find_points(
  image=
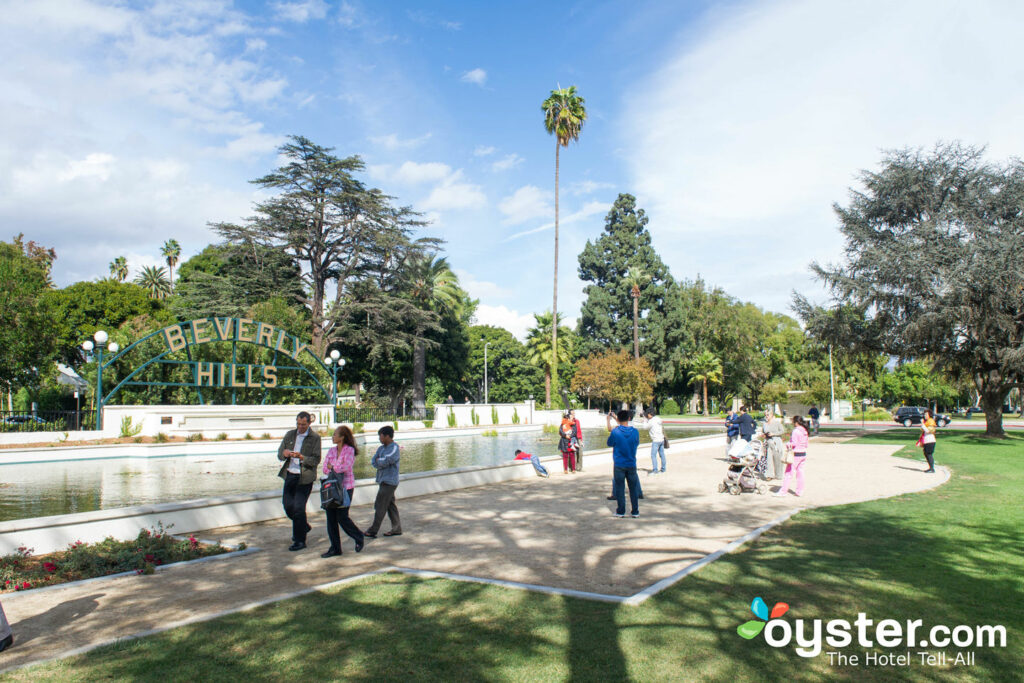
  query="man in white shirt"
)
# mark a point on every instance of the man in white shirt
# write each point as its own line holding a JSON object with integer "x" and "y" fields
{"x": 300, "y": 453}
{"x": 656, "y": 430}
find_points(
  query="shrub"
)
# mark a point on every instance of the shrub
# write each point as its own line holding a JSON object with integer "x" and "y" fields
{"x": 357, "y": 427}
{"x": 194, "y": 436}
{"x": 266, "y": 435}
{"x": 428, "y": 423}
{"x": 550, "y": 429}
{"x": 670, "y": 407}
{"x": 515, "y": 416}
{"x": 395, "y": 423}
{"x": 451, "y": 418}
{"x": 127, "y": 429}
{"x": 248, "y": 436}
{"x": 161, "y": 438}
{"x": 138, "y": 439}
{"x": 489, "y": 432}
{"x": 494, "y": 415}
{"x": 222, "y": 436}
{"x": 473, "y": 416}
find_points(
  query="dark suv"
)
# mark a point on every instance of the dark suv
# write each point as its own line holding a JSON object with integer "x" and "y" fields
{"x": 914, "y": 415}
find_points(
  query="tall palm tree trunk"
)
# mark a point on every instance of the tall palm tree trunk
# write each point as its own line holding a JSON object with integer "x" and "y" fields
{"x": 705, "y": 398}
{"x": 419, "y": 380}
{"x": 636, "y": 338}
{"x": 547, "y": 387}
{"x": 554, "y": 298}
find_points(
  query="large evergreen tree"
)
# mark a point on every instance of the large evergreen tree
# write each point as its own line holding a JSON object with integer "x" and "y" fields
{"x": 606, "y": 318}
{"x": 27, "y": 319}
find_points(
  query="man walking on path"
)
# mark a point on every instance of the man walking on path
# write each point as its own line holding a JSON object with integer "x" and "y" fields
{"x": 300, "y": 452}
{"x": 815, "y": 415}
{"x": 656, "y": 430}
{"x": 624, "y": 441}
{"x": 746, "y": 424}
{"x": 732, "y": 429}
{"x": 385, "y": 461}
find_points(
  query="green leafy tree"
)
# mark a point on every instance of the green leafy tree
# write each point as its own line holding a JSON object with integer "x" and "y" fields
{"x": 706, "y": 369}
{"x": 154, "y": 280}
{"x": 119, "y": 268}
{"x": 622, "y": 311}
{"x": 27, "y": 318}
{"x": 433, "y": 287}
{"x": 564, "y": 116}
{"x": 510, "y": 375}
{"x": 934, "y": 243}
{"x": 171, "y": 251}
{"x": 539, "y": 342}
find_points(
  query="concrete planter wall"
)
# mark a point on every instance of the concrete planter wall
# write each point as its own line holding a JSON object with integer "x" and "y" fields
{"x": 463, "y": 413}
{"x": 47, "y": 534}
{"x": 211, "y": 420}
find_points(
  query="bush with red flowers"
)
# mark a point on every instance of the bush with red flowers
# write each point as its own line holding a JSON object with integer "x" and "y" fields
{"x": 151, "y": 548}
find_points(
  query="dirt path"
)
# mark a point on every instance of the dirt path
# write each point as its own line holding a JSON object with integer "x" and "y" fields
{"x": 555, "y": 532}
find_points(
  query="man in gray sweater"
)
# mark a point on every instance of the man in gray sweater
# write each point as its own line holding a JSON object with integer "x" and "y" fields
{"x": 385, "y": 461}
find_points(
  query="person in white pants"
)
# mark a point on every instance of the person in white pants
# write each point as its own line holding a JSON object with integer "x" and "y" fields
{"x": 656, "y": 430}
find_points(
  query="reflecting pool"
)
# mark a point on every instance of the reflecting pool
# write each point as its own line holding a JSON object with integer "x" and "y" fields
{"x": 39, "y": 490}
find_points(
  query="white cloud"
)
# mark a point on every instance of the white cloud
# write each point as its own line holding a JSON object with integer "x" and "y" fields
{"x": 413, "y": 173}
{"x": 255, "y": 45}
{"x": 454, "y": 193}
{"x": 526, "y": 203}
{"x": 765, "y": 114}
{"x": 392, "y": 142}
{"x": 585, "y": 187}
{"x": 476, "y": 76}
{"x": 484, "y": 150}
{"x": 507, "y": 162}
{"x": 481, "y": 289}
{"x": 300, "y": 12}
{"x": 502, "y": 316}
{"x": 589, "y": 209}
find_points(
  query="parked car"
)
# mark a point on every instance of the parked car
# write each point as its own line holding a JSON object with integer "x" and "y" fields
{"x": 914, "y": 415}
{"x": 23, "y": 419}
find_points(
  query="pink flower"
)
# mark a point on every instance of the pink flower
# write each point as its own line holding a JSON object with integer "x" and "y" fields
{"x": 150, "y": 558}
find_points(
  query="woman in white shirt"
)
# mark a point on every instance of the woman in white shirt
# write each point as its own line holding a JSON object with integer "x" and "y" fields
{"x": 656, "y": 430}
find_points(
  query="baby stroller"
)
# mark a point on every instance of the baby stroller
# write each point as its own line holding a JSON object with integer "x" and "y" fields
{"x": 740, "y": 477}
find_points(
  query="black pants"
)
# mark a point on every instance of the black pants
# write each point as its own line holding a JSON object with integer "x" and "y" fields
{"x": 294, "y": 498}
{"x": 929, "y": 451}
{"x": 340, "y": 516}
{"x": 385, "y": 504}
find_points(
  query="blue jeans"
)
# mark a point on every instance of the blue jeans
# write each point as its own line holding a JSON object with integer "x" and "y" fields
{"x": 657, "y": 447}
{"x": 623, "y": 475}
{"x": 537, "y": 466}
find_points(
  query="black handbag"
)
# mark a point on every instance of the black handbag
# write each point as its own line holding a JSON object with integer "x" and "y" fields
{"x": 333, "y": 494}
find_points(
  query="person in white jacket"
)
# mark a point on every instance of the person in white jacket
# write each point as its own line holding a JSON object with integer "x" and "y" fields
{"x": 656, "y": 429}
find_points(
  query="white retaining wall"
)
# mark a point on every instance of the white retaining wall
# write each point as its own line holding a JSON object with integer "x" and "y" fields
{"x": 211, "y": 420}
{"x": 463, "y": 413}
{"x": 47, "y": 534}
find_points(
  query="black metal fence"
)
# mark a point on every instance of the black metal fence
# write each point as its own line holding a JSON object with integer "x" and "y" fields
{"x": 45, "y": 420}
{"x": 365, "y": 414}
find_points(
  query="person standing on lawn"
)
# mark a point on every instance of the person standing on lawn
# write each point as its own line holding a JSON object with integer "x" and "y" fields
{"x": 656, "y": 430}
{"x": 928, "y": 429}
{"x": 385, "y": 461}
{"x": 797, "y": 444}
{"x": 6, "y": 635}
{"x": 300, "y": 452}
{"x": 341, "y": 459}
{"x": 624, "y": 441}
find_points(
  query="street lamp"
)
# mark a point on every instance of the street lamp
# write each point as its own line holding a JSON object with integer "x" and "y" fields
{"x": 334, "y": 363}
{"x": 98, "y": 343}
{"x": 485, "y": 372}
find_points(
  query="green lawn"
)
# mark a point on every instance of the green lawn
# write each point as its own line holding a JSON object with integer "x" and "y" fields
{"x": 950, "y": 556}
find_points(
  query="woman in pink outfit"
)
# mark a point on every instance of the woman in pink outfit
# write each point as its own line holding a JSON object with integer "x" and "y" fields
{"x": 341, "y": 459}
{"x": 797, "y": 444}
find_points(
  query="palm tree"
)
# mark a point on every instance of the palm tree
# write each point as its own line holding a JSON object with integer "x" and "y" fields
{"x": 539, "y": 343}
{"x": 119, "y": 268}
{"x": 705, "y": 368}
{"x": 635, "y": 277}
{"x": 154, "y": 279}
{"x": 171, "y": 251}
{"x": 564, "y": 115}
{"x": 433, "y": 286}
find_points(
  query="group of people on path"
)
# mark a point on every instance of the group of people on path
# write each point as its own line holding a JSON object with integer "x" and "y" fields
{"x": 776, "y": 460}
{"x": 300, "y": 453}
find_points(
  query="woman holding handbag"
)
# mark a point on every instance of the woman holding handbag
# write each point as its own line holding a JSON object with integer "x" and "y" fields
{"x": 796, "y": 455}
{"x": 927, "y": 440}
{"x": 340, "y": 461}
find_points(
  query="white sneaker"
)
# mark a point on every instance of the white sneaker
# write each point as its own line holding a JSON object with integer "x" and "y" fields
{"x": 779, "y": 494}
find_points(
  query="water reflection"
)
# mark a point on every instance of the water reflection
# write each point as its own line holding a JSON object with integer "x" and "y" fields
{"x": 36, "y": 490}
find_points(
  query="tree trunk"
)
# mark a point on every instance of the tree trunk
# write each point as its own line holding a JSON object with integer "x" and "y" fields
{"x": 419, "y": 380}
{"x": 636, "y": 338}
{"x": 705, "y": 398}
{"x": 554, "y": 298}
{"x": 547, "y": 388}
{"x": 992, "y": 402}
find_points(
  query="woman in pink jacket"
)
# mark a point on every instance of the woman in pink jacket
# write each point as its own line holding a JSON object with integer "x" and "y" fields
{"x": 797, "y": 444}
{"x": 341, "y": 459}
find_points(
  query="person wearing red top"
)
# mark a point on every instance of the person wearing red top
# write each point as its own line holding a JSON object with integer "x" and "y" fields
{"x": 577, "y": 432}
{"x": 541, "y": 470}
{"x": 341, "y": 460}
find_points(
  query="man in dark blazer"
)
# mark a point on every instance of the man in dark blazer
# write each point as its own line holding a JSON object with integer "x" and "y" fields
{"x": 300, "y": 453}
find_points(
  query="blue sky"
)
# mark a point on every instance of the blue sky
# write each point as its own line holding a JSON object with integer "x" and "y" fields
{"x": 736, "y": 124}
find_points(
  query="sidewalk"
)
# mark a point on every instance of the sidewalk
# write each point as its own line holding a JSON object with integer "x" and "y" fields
{"x": 554, "y": 532}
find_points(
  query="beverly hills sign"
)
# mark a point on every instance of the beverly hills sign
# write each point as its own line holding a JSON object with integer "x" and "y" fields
{"x": 181, "y": 336}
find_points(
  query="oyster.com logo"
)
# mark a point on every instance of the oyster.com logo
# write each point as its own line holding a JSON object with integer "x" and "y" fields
{"x": 753, "y": 628}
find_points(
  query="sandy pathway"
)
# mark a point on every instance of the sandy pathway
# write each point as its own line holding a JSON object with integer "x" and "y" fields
{"x": 555, "y": 532}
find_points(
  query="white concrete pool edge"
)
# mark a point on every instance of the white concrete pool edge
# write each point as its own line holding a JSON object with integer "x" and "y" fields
{"x": 48, "y": 534}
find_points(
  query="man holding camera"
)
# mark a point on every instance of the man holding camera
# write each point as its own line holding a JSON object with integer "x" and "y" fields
{"x": 624, "y": 441}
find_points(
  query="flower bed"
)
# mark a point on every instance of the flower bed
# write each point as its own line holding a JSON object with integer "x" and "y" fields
{"x": 23, "y": 571}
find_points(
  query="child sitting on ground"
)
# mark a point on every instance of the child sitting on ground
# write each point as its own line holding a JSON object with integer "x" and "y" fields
{"x": 541, "y": 470}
